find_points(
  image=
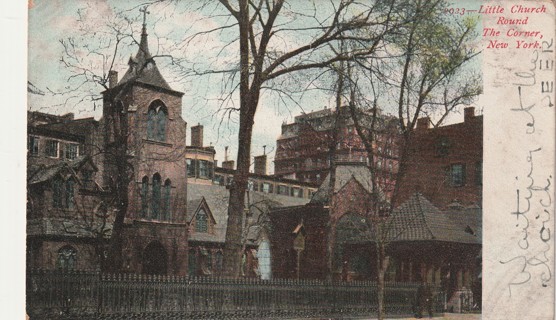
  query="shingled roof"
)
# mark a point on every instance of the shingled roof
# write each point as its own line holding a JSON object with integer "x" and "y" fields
{"x": 39, "y": 174}
{"x": 344, "y": 173}
{"x": 419, "y": 220}
{"x": 217, "y": 198}
{"x": 142, "y": 67}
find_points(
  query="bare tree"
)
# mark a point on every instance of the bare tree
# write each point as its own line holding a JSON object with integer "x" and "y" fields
{"x": 425, "y": 69}
{"x": 260, "y": 24}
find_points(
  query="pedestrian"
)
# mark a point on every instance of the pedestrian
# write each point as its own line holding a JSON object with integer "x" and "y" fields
{"x": 423, "y": 300}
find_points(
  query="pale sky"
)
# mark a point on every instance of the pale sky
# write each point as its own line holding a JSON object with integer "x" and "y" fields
{"x": 167, "y": 25}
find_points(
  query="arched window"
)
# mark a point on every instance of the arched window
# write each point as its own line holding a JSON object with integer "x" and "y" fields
{"x": 155, "y": 205}
{"x": 67, "y": 258}
{"x": 166, "y": 199}
{"x": 201, "y": 222}
{"x": 144, "y": 197}
{"x": 156, "y": 121}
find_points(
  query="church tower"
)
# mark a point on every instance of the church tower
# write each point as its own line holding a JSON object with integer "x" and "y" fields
{"x": 144, "y": 144}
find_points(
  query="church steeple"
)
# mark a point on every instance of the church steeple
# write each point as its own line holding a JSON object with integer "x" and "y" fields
{"x": 144, "y": 53}
{"x": 142, "y": 67}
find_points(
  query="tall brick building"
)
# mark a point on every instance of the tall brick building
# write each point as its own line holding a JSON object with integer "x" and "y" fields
{"x": 445, "y": 163}
{"x": 303, "y": 148}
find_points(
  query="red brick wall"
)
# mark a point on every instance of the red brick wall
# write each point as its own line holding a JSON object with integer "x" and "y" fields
{"x": 427, "y": 165}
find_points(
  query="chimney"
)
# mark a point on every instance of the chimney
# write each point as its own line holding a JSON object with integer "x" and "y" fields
{"x": 260, "y": 164}
{"x": 112, "y": 78}
{"x": 423, "y": 123}
{"x": 197, "y": 136}
{"x": 468, "y": 113}
{"x": 229, "y": 164}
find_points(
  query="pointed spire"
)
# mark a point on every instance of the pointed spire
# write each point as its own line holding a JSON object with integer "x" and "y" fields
{"x": 143, "y": 54}
{"x": 142, "y": 67}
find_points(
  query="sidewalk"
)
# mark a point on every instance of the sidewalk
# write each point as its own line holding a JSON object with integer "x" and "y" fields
{"x": 447, "y": 316}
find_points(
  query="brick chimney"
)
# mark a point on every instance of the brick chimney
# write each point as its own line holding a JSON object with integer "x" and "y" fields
{"x": 112, "y": 78}
{"x": 229, "y": 164}
{"x": 197, "y": 136}
{"x": 260, "y": 164}
{"x": 423, "y": 123}
{"x": 468, "y": 113}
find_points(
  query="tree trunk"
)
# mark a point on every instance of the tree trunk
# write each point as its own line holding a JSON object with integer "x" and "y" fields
{"x": 382, "y": 263}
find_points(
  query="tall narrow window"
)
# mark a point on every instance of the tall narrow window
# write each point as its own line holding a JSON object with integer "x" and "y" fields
{"x": 57, "y": 193}
{"x": 151, "y": 123}
{"x": 166, "y": 199}
{"x": 190, "y": 167}
{"x": 156, "y": 121}
{"x": 457, "y": 175}
{"x": 69, "y": 197}
{"x": 144, "y": 197}
{"x": 201, "y": 224}
{"x": 67, "y": 258}
{"x": 52, "y": 148}
{"x": 219, "y": 257}
{"x": 33, "y": 145}
{"x": 155, "y": 202}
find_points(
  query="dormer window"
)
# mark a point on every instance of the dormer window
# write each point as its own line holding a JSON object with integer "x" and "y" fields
{"x": 156, "y": 121}
{"x": 201, "y": 223}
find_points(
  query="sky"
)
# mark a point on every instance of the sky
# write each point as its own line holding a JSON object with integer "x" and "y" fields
{"x": 168, "y": 25}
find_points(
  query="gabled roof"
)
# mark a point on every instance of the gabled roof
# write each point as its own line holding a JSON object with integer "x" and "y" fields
{"x": 344, "y": 173}
{"x": 217, "y": 197}
{"x": 419, "y": 220}
{"x": 41, "y": 173}
{"x": 142, "y": 67}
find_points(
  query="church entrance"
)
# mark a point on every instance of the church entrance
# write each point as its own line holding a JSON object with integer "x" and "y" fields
{"x": 155, "y": 259}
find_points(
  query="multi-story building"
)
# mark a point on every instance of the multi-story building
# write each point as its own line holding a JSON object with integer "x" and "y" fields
{"x": 304, "y": 146}
{"x": 64, "y": 204}
{"x": 445, "y": 164}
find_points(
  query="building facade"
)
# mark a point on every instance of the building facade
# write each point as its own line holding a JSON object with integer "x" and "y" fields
{"x": 445, "y": 164}
{"x": 303, "y": 149}
{"x": 139, "y": 142}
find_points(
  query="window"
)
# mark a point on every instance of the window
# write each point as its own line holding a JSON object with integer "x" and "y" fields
{"x": 69, "y": 196}
{"x": 155, "y": 202}
{"x": 203, "y": 169}
{"x": 201, "y": 223}
{"x": 267, "y": 187}
{"x": 52, "y": 148}
{"x": 67, "y": 258}
{"x": 442, "y": 147}
{"x": 156, "y": 122}
{"x": 166, "y": 199}
{"x": 284, "y": 190}
{"x": 219, "y": 259}
{"x": 191, "y": 167}
{"x": 63, "y": 193}
{"x": 57, "y": 193}
{"x": 296, "y": 192}
{"x": 144, "y": 197}
{"x": 33, "y": 145}
{"x": 72, "y": 151}
{"x": 457, "y": 175}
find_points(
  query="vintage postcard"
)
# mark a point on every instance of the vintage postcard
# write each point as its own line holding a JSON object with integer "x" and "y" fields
{"x": 290, "y": 159}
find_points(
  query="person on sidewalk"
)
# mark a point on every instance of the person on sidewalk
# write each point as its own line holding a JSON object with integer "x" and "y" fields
{"x": 423, "y": 300}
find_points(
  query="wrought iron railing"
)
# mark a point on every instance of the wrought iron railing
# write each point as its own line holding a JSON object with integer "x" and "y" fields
{"x": 93, "y": 295}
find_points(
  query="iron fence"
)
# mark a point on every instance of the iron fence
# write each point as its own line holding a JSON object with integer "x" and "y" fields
{"x": 94, "y": 295}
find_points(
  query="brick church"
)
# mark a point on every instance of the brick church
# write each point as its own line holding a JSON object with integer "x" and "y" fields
{"x": 73, "y": 166}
